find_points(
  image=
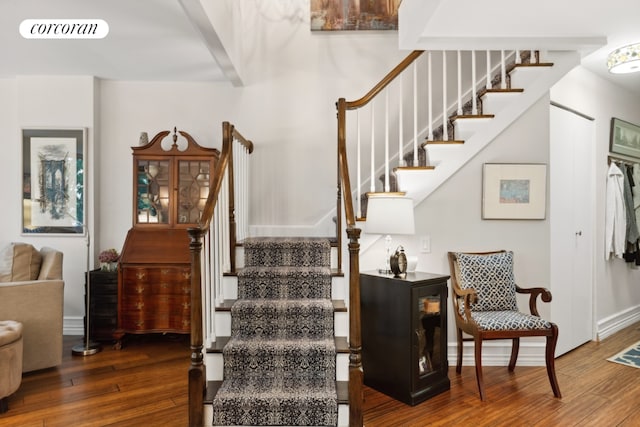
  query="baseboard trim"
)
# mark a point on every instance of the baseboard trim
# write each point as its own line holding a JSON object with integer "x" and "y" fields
{"x": 612, "y": 324}
{"x": 73, "y": 325}
{"x": 498, "y": 353}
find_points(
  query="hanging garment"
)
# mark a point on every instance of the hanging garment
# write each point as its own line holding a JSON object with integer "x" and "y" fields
{"x": 615, "y": 224}
{"x": 631, "y": 234}
{"x": 636, "y": 191}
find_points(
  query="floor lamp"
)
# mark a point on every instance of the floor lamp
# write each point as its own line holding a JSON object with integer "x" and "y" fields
{"x": 89, "y": 347}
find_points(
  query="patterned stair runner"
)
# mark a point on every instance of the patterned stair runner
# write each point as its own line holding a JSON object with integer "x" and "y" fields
{"x": 280, "y": 362}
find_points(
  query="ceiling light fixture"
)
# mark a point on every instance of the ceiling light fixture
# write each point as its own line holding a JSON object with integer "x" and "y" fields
{"x": 625, "y": 59}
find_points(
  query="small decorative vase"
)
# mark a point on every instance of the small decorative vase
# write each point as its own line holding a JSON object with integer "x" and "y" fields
{"x": 108, "y": 266}
{"x": 144, "y": 138}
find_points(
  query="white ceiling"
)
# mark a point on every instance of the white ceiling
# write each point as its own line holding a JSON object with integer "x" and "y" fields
{"x": 593, "y": 27}
{"x": 147, "y": 40}
{"x": 168, "y": 40}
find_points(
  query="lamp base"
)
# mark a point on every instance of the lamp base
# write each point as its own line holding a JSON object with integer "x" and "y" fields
{"x": 86, "y": 349}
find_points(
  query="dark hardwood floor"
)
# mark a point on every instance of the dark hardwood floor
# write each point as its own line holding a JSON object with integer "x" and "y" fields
{"x": 145, "y": 384}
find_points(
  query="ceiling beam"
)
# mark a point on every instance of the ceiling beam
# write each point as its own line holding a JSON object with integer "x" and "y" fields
{"x": 198, "y": 17}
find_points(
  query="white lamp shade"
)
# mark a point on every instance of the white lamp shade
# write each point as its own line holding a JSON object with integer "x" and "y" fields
{"x": 389, "y": 213}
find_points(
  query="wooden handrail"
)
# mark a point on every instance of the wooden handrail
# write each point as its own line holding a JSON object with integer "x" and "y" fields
{"x": 197, "y": 370}
{"x": 351, "y": 105}
{"x": 356, "y": 375}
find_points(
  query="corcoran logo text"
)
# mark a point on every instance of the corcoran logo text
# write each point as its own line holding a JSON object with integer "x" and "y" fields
{"x": 64, "y": 29}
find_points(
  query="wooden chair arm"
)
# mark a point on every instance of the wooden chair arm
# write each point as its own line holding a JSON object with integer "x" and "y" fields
{"x": 468, "y": 296}
{"x": 544, "y": 293}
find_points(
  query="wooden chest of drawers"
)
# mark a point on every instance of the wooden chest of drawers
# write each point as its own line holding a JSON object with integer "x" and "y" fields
{"x": 154, "y": 284}
{"x": 156, "y": 299}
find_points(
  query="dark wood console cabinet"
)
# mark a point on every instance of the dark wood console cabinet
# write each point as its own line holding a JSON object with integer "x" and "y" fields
{"x": 404, "y": 334}
{"x": 103, "y": 304}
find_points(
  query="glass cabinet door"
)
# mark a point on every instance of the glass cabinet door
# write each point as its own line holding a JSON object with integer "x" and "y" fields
{"x": 429, "y": 327}
{"x": 193, "y": 189}
{"x": 152, "y": 192}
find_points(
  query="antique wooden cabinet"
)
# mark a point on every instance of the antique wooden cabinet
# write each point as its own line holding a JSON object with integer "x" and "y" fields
{"x": 170, "y": 187}
{"x": 404, "y": 334}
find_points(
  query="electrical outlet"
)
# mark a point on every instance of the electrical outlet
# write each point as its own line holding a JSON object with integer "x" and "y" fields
{"x": 425, "y": 244}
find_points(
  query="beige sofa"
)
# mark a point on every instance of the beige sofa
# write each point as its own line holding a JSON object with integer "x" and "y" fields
{"x": 32, "y": 293}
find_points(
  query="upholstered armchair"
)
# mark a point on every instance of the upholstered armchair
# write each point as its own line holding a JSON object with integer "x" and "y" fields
{"x": 484, "y": 305}
{"x": 32, "y": 293}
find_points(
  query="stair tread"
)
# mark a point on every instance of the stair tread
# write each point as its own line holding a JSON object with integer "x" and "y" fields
{"x": 473, "y": 116}
{"x": 338, "y": 305}
{"x": 499, "y": 90}
{"x": 335, "y": 272}
{"x": 405, "y": 168}
{"x": 442, "y": 142}
{"x": 535, "y": 64}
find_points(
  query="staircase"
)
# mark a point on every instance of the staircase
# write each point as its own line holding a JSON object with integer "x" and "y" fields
{"x": 240, "y": 353}
{"x": 276, "y": 351}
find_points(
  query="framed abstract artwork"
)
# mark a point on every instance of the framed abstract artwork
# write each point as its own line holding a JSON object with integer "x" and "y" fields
{"x": 514, "y": 191}
{"x": 625, "y": 138}
{"x": 53, "y": 181}
{"x": 345, "y": 15}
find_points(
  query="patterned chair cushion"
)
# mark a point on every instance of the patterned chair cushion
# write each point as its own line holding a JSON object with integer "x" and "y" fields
{"x": 507, "y": 321}
{"x": 492, "y": 278}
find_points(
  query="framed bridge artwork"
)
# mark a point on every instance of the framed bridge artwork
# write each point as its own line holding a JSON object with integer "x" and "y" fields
{"x": 514, "y": 191}
{"x": 341, "y": 15}
{"x": 625, "y": 138}
{"x": 53, "y": 190}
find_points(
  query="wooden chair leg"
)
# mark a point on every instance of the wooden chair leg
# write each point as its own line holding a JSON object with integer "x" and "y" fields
{"x": 459, "y": 361}
{"x": 515, "y": 347}
{"x": 4, "y": 405}
{"x": 550, "y": 359}
{"x": 478, "y": 360}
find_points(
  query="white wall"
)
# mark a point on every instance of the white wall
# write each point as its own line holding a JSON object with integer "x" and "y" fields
{"x": 617, "y": 297}
{"x": 53, "y": 102}
{"x": 452, "y": 216}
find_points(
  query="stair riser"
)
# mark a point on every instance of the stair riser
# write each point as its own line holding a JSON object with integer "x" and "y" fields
{"x": 278, "y": 287}
{"x": 277, "y": 320}
{"x": 223, "y": 324}
{"x": 269, "y": 363}
{"x": 230, "y": 288}
{"x": 466, "y": 128}
{"x": 287, "y": 253}
{"x": 343, "y": 415}
{"x": 215, "y": 367}
{"x": 493, "y": 103}
{"x": 240, "y": 257}
{"x": 522, "y": 77}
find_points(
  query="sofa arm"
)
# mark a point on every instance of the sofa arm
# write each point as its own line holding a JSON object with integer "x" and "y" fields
{"x": 38, "y": 305}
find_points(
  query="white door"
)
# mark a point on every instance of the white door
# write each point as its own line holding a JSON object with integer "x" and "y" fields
{"x": 571, "y": 210}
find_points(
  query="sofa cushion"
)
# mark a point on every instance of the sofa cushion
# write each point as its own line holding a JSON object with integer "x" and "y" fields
{"x": 51, "y": 268}
{"x": 19, "y": 262}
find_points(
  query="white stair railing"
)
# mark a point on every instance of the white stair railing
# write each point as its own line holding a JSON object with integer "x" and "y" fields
{"x": 430, "y": 85}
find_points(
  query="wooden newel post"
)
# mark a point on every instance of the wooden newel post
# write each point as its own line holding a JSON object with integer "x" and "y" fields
{"x": 355, "y": 331}
{"x": 197, "y": 374}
